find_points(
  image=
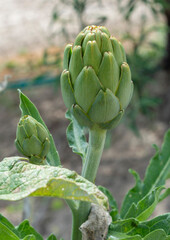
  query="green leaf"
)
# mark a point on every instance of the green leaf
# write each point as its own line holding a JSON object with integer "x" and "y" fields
{"x": 23, "y": 231}
{"x": 133, "y": 227}
{"x": 26, "y": 230}
{"x": 112, "y": 203}
{"x": 164, "y": 194}
{"x": 122, "y": 236}
{"x": 123, "y": 225}
{"x": 30, "y": 237}
{"x": 52, "y": 237}
{"x": 28, "y": 108}
{"x": 20, "y": 179}
{"x": 156, "y": 175}
{"x": 157, "y": 234}
{"x": 6, "y": 223}
{"x": 160, "y": 222}
{"x": 76, "y": 137}
{"x": 145, "y": 207}
{"x": 6, "y": 233}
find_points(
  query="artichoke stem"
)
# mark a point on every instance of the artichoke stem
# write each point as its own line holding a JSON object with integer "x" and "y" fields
{"x": 97, "y": 138}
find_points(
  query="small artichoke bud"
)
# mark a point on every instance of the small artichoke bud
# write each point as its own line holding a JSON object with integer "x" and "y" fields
{"x": 32, "y": 140}
{"x": 96, "y": 80}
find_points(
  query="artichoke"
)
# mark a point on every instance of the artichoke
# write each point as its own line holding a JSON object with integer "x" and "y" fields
{"x": 96, "y": 80}
{"x": 32, "y": 139}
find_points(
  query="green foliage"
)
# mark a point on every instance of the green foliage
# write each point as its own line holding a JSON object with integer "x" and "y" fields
{"x": 143, "y": 230}
{"x": 76, "y": 136}
{"x": 141, "y": 200}
{"x": 20, "y": 179}
{"x": 24, "y": 231}
{"x": 114, "y": 212}
{"x": 156, "y": 175}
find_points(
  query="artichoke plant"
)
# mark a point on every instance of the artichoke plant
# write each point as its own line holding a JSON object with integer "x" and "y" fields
{"x": 96, "y": 80}
{"x": 32, "y": 139}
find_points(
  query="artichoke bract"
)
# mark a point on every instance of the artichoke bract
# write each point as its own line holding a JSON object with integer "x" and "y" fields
{"x": 96, "y": 80}
{"x": 32, "y": 139}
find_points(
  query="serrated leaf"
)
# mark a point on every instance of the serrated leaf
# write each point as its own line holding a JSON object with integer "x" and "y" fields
{"x": 133, "y": 227}
{"x": 20, "y": 179}
{"x": 156, "y": 175}
{"x": 76, "y": 137}
{"x": 145, "y": 207}
{"x": 112, "y": 203}
{"x": 28, "y": 108}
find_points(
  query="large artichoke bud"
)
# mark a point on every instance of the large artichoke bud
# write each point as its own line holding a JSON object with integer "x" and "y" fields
{"x": 32, "y": 139}
{"x": 96, "y": 79}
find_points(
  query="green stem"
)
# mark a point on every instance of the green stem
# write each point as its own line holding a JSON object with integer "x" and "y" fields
{"x": 97, "y": 138}
{"x": 96, "y": 144}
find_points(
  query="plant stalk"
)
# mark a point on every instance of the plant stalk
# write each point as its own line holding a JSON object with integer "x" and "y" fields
{"x": 97, "y": 138}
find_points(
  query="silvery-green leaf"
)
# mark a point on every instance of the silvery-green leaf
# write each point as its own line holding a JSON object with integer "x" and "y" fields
{"x": 20, "y": 179}
{"x": 76, "y": 136}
